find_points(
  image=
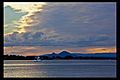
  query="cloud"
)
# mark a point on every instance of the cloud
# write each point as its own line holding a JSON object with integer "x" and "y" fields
{"x": 41, "y": 39}
{"x": 30, "y": 7}
{"x": 10, "y": 19}
{"x": 23, "y": 38}
{"x": 66, "y": 25}
{"x": 24, "y": 22}
{"x": 77, "y": 20}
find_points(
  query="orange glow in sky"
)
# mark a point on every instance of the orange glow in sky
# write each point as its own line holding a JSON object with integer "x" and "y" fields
{"x": 31, "y": 51}
{"x": 101, "y": 50}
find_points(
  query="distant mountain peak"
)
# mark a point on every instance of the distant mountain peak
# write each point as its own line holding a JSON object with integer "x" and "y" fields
{"x": 64, "y": 52}
{"x": 53, "y": 53}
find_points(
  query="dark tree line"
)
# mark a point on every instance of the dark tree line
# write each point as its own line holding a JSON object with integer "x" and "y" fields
{"x": 17, "y": 57}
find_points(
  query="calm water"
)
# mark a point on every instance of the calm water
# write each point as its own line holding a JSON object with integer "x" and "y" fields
{"x": 60, "y": 68}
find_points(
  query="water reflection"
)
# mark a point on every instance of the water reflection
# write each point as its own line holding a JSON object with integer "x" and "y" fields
{"x": 26, "y": 69}
{"x": 60, "y": 68}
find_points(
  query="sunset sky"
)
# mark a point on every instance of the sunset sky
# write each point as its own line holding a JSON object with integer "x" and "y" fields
{"x": 34, "y": 28}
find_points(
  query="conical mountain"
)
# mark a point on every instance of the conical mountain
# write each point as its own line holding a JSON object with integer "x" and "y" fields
{"x": 64, "y": 53}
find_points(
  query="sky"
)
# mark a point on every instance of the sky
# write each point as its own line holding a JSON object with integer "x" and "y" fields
{"x": 34, "y": 28}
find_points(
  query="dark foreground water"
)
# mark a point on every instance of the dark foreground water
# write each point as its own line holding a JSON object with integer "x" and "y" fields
{"x": 59, "y": 68}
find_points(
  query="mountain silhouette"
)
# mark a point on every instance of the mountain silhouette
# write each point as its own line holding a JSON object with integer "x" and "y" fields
{"x": 65, "y": 54}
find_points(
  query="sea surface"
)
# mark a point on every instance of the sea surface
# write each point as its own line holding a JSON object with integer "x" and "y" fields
{"x": 59, "y": 68}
